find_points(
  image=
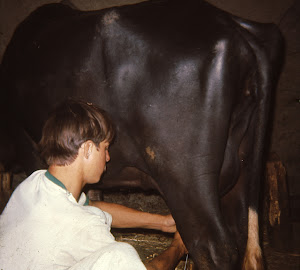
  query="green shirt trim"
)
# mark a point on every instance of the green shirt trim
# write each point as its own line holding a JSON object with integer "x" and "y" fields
{"x": 87, "y": 201}
{"x": 57, "y": 182}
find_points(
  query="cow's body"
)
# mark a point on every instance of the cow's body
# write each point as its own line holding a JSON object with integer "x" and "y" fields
{"x": 188, "y": 88}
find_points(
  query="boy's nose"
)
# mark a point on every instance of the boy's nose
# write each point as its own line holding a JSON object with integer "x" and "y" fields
{"x": 107, "y": 156}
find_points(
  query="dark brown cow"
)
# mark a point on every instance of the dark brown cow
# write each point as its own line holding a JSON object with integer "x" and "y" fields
{"x": 188, "y": 87}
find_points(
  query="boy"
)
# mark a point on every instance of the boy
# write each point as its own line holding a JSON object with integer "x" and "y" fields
{"x": 49, "y": 223}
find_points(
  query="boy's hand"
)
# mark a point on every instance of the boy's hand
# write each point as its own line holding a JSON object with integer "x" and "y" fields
{"x": 177, "y": 241}
{"x": 168, "y": 224}
{"x": 170, "y": 257}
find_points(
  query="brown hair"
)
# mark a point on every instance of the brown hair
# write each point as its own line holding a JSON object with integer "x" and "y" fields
{"x": 70, "y": 125}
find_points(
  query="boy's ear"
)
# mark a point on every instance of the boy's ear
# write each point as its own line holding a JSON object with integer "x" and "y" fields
{"x": 87, "y": 148}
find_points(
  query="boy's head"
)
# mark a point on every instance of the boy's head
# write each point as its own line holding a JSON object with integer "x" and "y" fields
{"x": 70, "y": 125}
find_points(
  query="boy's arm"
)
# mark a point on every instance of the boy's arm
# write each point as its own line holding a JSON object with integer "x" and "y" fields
{"x": 124, "y": 217}
{"x": 170, "y": 257}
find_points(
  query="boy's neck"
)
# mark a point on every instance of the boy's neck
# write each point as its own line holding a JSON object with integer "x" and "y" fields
{"x": 70, "y": 176}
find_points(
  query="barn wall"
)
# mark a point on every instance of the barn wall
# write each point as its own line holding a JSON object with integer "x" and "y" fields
{"x": 286, "y": 131}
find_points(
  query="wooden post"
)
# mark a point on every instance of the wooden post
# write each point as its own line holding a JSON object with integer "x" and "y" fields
{"x": 5, "y": 187}
{"x": 95, "y": 195}
{"x": 281, "y": 229}
{"x": 278, "y": 194}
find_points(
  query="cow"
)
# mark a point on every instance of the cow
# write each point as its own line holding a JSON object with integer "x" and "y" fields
{"x": 189, "y": 88}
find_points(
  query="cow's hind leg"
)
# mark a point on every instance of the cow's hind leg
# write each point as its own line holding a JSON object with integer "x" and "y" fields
{"x": 242, "y": 219}
{"x": 269, "y": 59}
{"x": 243, "y": 222}
{"x": 240, "y": 205}
{"x": 240, "y": 197}
{"x": 253, "y": 255}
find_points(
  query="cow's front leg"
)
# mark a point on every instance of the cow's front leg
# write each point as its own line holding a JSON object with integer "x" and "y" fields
{"x": 195, "y": 207}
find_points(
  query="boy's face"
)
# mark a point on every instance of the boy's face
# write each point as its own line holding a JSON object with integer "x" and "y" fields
{"x": 97, "y": 162}
{"x": 104, "y": 154}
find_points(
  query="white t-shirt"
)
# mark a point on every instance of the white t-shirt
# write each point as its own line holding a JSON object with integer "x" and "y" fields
{"x": 43, "y": 227}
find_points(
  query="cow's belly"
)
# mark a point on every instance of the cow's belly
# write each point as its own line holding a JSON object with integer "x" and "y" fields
{"x": 237, "y": 148}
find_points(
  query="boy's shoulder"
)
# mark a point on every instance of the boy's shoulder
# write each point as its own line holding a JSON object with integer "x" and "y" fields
{"x": 28, "y": 185}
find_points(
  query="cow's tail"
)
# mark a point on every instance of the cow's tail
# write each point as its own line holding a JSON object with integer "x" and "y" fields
{"x": 267, "y": 44}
